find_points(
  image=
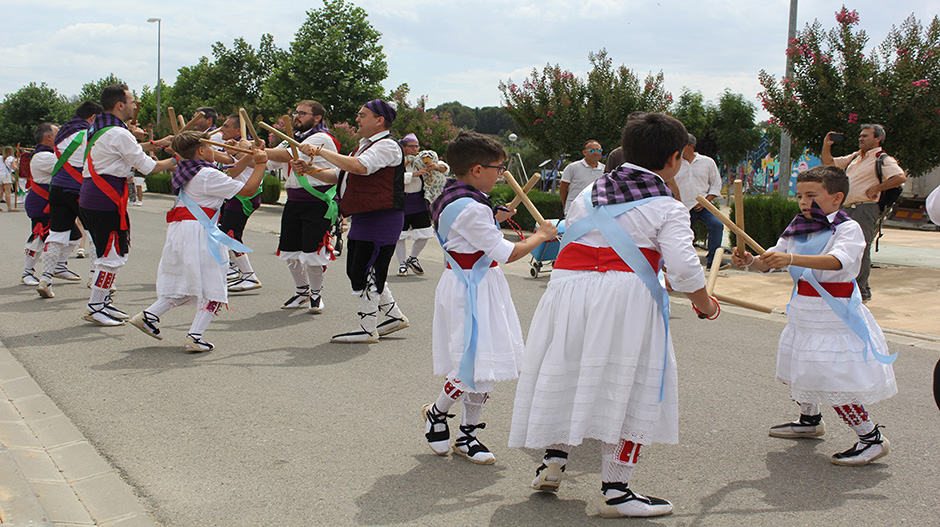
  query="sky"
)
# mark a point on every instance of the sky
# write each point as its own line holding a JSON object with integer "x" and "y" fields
{"x": 448, "y": 50}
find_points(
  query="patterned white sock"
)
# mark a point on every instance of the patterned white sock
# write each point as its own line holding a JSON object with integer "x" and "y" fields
{"x": 50, "y": 258}
{"x": 388, "y": 306}
{"x": 243, "y": 265}
{"x": 315, "y": 277}
{"x": 162, "y": 305}
{"x": 204, "y": 315}
{"x": 418, "y": 246}
{"x": 618, "y": 461}
{"x": 101, "y": 282}
{"x": 449, "y": 395}
{"x": 473, "y": 408}
{"x": 856, "y": 417}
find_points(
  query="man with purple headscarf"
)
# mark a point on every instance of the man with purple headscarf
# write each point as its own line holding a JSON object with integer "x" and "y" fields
{"x": 372, "y": 195}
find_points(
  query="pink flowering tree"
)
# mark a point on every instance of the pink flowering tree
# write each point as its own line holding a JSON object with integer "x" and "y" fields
{"x": 838, "y": 86}
{"x": 433, "y": 131}
{"x": 559, "y": 111}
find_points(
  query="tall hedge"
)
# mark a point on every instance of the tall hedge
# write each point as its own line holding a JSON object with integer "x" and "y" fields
{"x": 765, "y": 218}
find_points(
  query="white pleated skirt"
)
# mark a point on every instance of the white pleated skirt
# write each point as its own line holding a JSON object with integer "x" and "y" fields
{"x": 594, "y": 365}
{"x": 186, "y": 267}
{"x": 823, "y": 362}
{"x": 500, "y": 344}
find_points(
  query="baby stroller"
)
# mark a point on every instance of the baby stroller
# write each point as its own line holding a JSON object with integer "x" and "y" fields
{"x": 546, "y": 251}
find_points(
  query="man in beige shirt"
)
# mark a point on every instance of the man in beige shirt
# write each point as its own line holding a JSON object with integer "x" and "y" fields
{"x": 864, "y": 188}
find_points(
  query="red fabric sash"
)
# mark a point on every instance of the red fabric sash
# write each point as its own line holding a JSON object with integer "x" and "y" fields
{"x": 69, "y": 169}
{"x": 580, "y": 257}
{"x": 182, "y": 214}
{"x": 466, "y": 261}
{"x": 103, "y": 186}
{"x": 836, "y": 289}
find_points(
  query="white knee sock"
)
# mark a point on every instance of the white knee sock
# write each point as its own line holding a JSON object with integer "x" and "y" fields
{"x": 856, "y": 417}
{"x": 162, "y": 305}
{"x": 101, "y": 282}
{"x": 315, "y": 277}
{"x": 618, "y": 461}
{"x": 418, "y": 246}
{"x": 50, "y": 259}
{"x": 388, "y": 306}
{"x": 204, "y": 315}
{"x": 243, "y": 265}
{"x": 473, "y": 408}
{"x": 400, "y": 251}
{"x": 553, "y": 454}
{"x": 298, "y": 273}
{"x": 809, "y": 408}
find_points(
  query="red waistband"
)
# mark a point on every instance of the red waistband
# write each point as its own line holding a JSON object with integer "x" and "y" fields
{"x": 579, "y": 257}
{"x": 836, "y": 289}
{"x": 182, "y": 213}
{"x": 466, "y": 261}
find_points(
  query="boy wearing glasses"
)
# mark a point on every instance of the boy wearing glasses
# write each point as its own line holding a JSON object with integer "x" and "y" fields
{"x": 477, "y": 338}
{"x": 578, "y": 175}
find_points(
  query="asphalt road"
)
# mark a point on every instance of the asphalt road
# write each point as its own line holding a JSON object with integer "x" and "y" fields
{"x": 278, "y": 426}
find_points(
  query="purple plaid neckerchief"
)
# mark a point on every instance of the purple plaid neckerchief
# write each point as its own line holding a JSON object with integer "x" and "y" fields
{"x": 817, "y": 222}
{"x": 105, "y": 120}
{"x": 319, "y": 127}
{"x": 186, "y": 170}
{"x": 41, "y": 148}
{"x": 75, "y": 125}
{"x": 627, "y": 183}
{"x": 454, "y": 190}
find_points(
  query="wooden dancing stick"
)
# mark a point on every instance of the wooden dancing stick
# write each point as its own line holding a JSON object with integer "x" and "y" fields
{"x": 739, "y": 211}
{"x": 713, "y": 272}
{"x": 290, "y": 131}
{"x": 227, "y": 147}
{"x": 528, "y": 186}
{"x": 251, "y": 128}
{"x": 192, "y": 122}
{"x": 743, "y": 303}
{"x": 241, "y": 125}
{"x": 174, "y": 124}
{"x": 522, "y": 196}
{"x": 181, "y": 121}
{"x": 730, "y": 224}
{"x": 290, "y": 140}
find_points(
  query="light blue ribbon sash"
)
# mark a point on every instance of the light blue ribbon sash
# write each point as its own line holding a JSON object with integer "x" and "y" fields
{"x": 216, "y": 236}
{"x": 471, "y": 325}
{"x": 602, "y": 219}
{"x": 848, "y": 313}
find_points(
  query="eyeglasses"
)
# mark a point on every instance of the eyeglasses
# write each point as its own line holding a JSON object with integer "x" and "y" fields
{"x": 595, "y": 150}
{"x": 499, "y": 168}
{"x": 299, "y": 112}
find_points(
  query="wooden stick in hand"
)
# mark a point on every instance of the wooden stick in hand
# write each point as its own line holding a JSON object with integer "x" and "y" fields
{"x": 522, "y": 195}
{"x": 174, "y": 124}
{"x": 181, "y": 121}
{"x": 713, "y": 272}
{"x": 528, "y": 186}
{"x": 290, "y": 131}
{"x": 251, "y": 128}
{"x": 192, "y": 122}
{"x": 739, "y": 211}
{"x": 241, "y": 124}
{"x": 730, "y": 224}
{"x": 290, "y": 140}
{"x": 227, "y": 147}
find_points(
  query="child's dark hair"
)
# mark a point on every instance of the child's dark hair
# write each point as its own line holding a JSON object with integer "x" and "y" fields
{"x": 652, "y": 139}
{"x": 186, "y": 143}
{"x": 469, "y": 149}
{"x": 832, "y": 178}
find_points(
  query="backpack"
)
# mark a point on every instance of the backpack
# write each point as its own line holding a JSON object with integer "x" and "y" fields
{"x": 888, "y": 197}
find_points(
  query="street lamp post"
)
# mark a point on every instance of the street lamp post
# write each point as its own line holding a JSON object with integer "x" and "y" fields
{"x": 159, "y": 108}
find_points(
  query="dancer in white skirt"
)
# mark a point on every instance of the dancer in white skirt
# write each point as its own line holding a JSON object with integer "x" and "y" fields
{"x": 599, "y": 361}
{"x": 832, "y": 351}
{"x": 195, "y": 257}
{"x": 474, "y": 290}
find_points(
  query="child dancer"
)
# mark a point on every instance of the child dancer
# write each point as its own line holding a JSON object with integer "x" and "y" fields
{"x": 832, "y": 351}
{"x": 192, "y": 265}
{"x": 490, "y": 349}
{"x": 599, "y": 361}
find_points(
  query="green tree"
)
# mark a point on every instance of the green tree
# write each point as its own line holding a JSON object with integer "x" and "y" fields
{"x": 27, "y": 108}
{"x": 335, "y": 58}
{"x": 462, "y": 116}
{"x": 494, "y": 120}
{"x": 698, "y": 118}
{"x": 558, "y": 111}
{"x": 91, "y": 91}
{"x": 433, "y": 131}
{"x": 735, "y": 129}
{"x": 837, "y": 87}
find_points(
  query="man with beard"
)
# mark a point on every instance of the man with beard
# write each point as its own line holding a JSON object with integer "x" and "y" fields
{"x": 310, "y": 210}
